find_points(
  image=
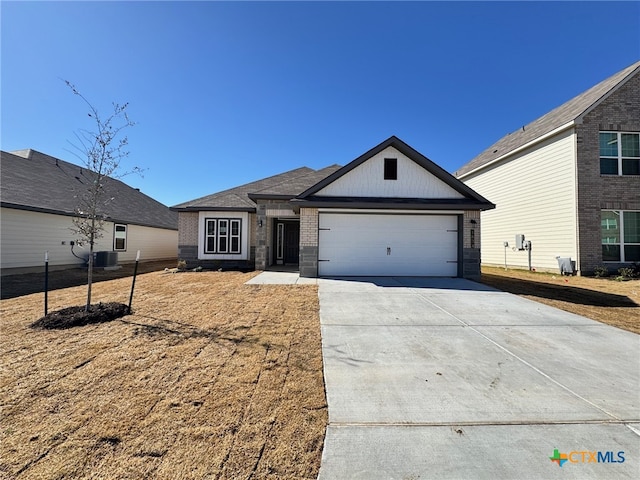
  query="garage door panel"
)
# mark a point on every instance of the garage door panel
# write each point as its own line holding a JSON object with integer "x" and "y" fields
{"x": 361, "y": 244}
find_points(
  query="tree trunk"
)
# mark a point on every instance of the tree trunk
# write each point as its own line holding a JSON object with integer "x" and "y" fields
{"x": 90, "y": 267}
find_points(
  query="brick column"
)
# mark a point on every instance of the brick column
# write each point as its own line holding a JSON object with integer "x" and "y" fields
{"x": 261, "y": 252}
{"x": 471, "y": 245}
{"x": 309, "y": 242}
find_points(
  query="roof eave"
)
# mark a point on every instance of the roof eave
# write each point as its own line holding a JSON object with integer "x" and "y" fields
{"x": 267, "y": 196}
{"x": 393, "y": 204}
{"x": 29, "y": 208}
{"x": 515, "y": 151}
{"x": 213, "y": 209}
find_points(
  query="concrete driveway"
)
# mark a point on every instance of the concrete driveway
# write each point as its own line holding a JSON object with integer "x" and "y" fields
{"x": 447, "y": 378}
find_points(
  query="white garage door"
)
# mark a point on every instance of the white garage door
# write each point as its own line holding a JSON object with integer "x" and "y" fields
{"x": 388, "y": 245}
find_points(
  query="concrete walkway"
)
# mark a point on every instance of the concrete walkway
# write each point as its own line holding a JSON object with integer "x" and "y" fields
{"x": 446, "y": 378}
{"x": 431, "y": 378}
{"x": 281, "y": 278}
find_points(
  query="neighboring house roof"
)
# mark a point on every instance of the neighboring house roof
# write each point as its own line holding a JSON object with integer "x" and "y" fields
{"x": 471, "y": 198}
{"x": 284, "y": 185}
{"x": 563, "y": 116}
{"x": 38, "y": 182}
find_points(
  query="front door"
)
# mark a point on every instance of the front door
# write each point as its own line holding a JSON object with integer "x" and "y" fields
{"x": 287, "y": 242}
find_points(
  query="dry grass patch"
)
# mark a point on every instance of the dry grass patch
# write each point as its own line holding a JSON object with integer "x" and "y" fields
{"x": 605, "y": 300}
{"x": 209, "y": 378}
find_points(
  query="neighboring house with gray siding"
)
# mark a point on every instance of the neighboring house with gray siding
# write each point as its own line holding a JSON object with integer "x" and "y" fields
{"x": 38, "y": 198}
{"x": 389, "y": 212}
{"x": 569, "y": 181}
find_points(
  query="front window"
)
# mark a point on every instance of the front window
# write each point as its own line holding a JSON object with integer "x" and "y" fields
{"x": 619, "y": 153}
{"x": 120, "y": 238}
{"x": 620, "y": 233}
{"x": 222, "y": 235}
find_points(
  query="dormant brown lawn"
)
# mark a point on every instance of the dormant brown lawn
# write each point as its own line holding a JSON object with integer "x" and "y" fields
{"x": 603, "y": 299}
{"x": 209, "y": 378}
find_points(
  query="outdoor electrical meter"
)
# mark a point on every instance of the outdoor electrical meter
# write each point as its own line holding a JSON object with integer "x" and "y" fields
{"x": 520, "y": 244}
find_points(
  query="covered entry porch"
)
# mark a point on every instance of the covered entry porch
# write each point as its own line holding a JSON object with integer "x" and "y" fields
{"x": 277, "y": 236}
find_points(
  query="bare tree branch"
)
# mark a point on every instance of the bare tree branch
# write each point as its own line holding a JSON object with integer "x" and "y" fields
{"x": 101, "y": 151}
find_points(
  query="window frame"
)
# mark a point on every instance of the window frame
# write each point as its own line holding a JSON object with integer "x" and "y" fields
{"x": 223, "y": 243}
{"x": 621, "y": 243}
{"x": 117, "y": 237}
{"x": 619, "y": 157}
{"x": 390, "y": 169}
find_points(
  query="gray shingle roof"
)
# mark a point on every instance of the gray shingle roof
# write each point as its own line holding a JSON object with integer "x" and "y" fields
{"x": 35, "y": 181}
{"x": 295, "y": 186}
{"x": 288, "y": 184}
{"x": 565, "y": 113}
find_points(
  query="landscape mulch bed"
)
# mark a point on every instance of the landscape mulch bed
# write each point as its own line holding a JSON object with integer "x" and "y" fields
{"x": 208, "y": 378}
{"x": 81, "y": 315}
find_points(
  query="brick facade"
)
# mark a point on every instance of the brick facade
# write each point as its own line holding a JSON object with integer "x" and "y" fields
{"x": 261, "y": 239}
{"x": 188, "y": 228}
{"x": 309, "y": 242}
{"x": 471, "y": 245}
{"x": 188, "y": 238}
{"x": 595, "y": 192}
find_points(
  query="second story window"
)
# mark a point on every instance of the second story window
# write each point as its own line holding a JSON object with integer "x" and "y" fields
{"x": 619, "y": 153}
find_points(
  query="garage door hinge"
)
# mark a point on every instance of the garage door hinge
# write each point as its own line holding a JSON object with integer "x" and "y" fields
{"x": 452, "y": 261}
{"x": 452, "y": 231}
{"x": 324, "y": 260}
{"x": 324, "y": 229}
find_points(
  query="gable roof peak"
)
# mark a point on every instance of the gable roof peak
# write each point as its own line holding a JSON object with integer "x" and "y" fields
{"x": 412, "y": 155}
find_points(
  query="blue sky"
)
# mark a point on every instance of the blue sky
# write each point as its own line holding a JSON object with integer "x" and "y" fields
{"x": 224, "y": 93}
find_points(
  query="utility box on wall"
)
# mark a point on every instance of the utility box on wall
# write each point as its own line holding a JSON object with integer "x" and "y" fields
{"x": 520, "y": 242}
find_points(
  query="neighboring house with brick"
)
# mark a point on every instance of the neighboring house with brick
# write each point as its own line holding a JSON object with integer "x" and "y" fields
{"x": 569, "y": 181}
{"x": 389, "y": 212}
{"x": 39, "y": 197}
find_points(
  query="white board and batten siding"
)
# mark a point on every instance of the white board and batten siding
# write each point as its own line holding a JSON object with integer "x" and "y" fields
{"x": 27, "y": 235}
{"x": 388, "y": 243}
{"x": 366, "y": 180}
{"x": 535, "y": 195}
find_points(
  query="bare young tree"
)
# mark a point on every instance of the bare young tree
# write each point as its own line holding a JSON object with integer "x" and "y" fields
{"x": 101, "y": 150}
